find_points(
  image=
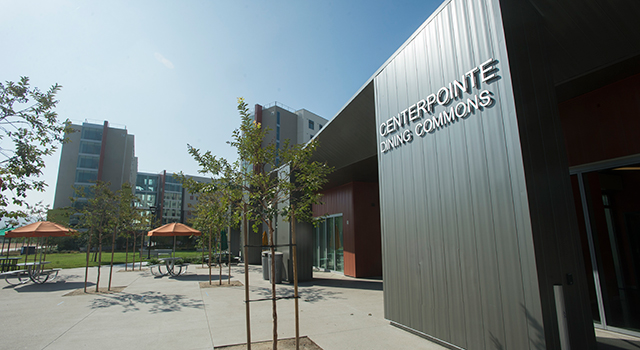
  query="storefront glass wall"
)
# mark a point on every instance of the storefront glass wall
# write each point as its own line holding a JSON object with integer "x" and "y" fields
{"x": 328, "y": 248}
{"x": 607, "y": 205}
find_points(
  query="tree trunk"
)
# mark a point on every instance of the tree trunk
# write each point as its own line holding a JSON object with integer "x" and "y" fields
{"x": 141, "y": 247}
{"x": 210, "y": 257}
{"x": 113, "y": 247}
{"x": 26, "y": 255}
{"x": 133, "y": 250}
{"x": 126, "y": 253}
{"x": 46, "y": 241}
{"x": 295, "y": 277}
{"x": 273, "y": 285}
{"x": 86, "y": 270}
{"x": 220, "y": 258}
{"x": 99, "y": 252}
{"x": 229, "y": 249}
{"x": 246, "y": 274}
{"x": 35, "y": 255}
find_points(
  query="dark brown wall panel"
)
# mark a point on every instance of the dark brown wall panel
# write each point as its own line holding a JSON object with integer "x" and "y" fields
{"x": 368, "y": 243}
{"x": 602, "y": 124}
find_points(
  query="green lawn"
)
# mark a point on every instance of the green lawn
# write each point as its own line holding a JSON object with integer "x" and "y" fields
{"x": 70, "y": 260}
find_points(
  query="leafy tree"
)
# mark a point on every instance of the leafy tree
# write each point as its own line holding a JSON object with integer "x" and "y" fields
{"x": 267, "y": 182}
{"x": 284, "y": 183}
{"x": 212, "y": 214}
{"x": 29, "y": 131}
{"x": 97, "y": 217}
{"x": 127, "y": 219}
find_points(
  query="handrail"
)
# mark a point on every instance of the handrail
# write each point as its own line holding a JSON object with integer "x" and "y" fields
{"x": 278, "y": 104}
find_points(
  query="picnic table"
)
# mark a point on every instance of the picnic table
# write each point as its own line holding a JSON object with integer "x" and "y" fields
{"x": 33, "y": 271}
{"x": 8, "y": 263}
{"x": 172, "y": 266}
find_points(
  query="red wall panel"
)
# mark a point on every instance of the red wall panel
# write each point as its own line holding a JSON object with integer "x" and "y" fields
{"x": 360, "y": 208}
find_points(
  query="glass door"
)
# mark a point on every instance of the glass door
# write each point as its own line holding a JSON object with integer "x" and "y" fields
{"x": 609, "y": 207}
{"x": 328, "y": 247}
{"x": 339, "y": 253}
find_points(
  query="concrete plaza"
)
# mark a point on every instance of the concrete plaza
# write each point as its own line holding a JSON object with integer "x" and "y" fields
{"x": 336, "y": 312}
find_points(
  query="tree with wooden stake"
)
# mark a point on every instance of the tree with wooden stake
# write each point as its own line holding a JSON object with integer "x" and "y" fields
{"x": 127, "y": 218}
{"x": 269, "y": 186}
{"x": 97, "y": 217}
{"x": 212, "y": 212}
{"x": 305, "y": 186}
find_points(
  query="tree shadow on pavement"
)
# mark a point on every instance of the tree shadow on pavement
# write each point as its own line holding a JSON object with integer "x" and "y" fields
{"x": 156, "y": 301}
{"x": 309, "y": 294}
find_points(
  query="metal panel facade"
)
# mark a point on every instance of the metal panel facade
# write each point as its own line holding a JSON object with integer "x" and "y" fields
{"x": 458, "y": 257}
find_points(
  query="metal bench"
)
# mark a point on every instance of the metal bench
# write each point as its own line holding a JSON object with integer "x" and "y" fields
{"x": 23, "y": 276}
{"x": 19, "y": 274}
{"x": 159, "y": 273}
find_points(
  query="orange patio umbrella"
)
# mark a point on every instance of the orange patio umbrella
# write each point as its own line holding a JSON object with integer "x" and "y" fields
{"x": 174, "y": 229}
{"x": 40, "y": 229}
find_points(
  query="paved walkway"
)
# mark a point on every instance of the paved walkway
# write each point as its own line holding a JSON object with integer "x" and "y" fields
{"x": 156, "y": 313}
{"x": 336, "y": 312}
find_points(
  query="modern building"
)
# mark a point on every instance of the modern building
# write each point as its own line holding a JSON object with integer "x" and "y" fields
{"x": 94, "y": 152}
{"x": 498, "y": 148}
{"x": 165, "y": 197}
{"x": 284, "y": 124}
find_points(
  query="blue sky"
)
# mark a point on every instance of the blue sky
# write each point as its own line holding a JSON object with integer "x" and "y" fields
{"x": 170, "y": 72}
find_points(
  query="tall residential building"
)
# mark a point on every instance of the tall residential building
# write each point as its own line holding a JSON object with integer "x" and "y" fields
{"x": 163, "y": 196}
{"x": 94, "y": 152}
{"x": 286, "y": 123}
{"x": 283, "y": 123}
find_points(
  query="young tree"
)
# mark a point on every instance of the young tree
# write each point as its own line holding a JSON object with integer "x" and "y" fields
{"x": 304, "y": 191}
{"x": 212, "y": 214}
{"x": 283, "y": 181}
{"x": 29, "y": 130}
{"x": 266, "y": 182}
{"x": 98, "y": 216}
{"x": 127, "y": 218}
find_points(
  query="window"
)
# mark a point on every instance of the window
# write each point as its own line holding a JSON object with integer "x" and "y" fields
{"x": 89, "y": 162}
{"x": 310, "y": 136}
{"x": 89, "y": 147}
{"x": 86, "y": 176}
{"x": 92, "y": 134}
{"x": 319, "y": 126}
{"x": 311, "y": 125}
